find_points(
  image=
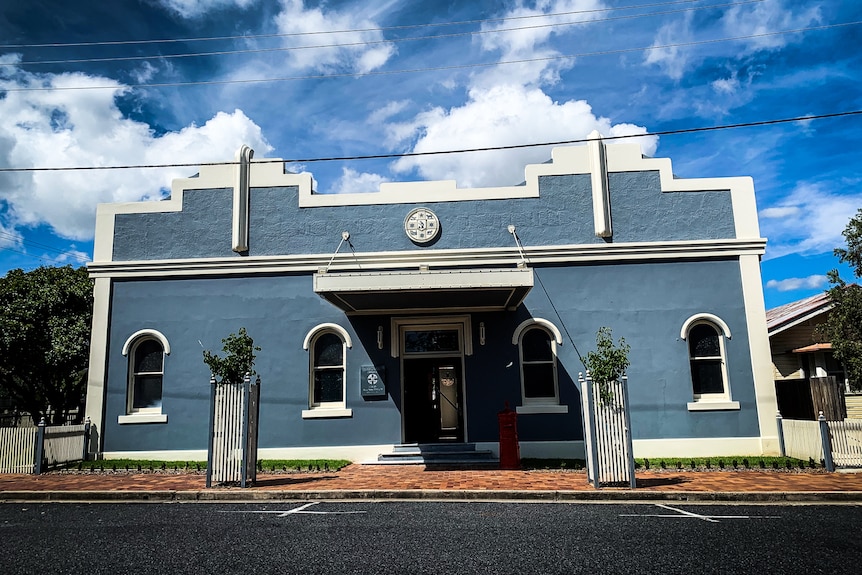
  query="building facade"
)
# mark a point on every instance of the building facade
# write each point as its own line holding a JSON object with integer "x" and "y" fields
{"x": 416, "y": 313}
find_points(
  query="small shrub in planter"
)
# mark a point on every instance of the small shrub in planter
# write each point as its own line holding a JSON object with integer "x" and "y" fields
{"x": 608, "y": 363}
{"x": 238, "y": 361}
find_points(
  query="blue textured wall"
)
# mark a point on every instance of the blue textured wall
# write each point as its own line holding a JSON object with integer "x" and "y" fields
{"x": 562, "y": 215}
{"x": 646, "y": 303}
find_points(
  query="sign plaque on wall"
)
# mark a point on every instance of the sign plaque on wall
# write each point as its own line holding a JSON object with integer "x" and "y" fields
{"x": 371, "y": 384}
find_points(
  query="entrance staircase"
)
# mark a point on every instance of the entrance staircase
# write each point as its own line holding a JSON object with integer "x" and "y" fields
{"x": 442, "y": 454}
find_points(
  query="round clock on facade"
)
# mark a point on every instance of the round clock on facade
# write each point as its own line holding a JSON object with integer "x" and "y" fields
{"x": 421, "y": 225}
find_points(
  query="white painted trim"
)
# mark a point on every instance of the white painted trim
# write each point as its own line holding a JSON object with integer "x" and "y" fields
{"x": 703, "y": 317}
{"x": 601, "y": 189}
{"x": 466, "y": 258}
{"x": 266, "y": 173}
{"x": 242, "y": 171}
{"x": 142, "y": 418}
{"x": 699, "y": 447}
{"x": 148, "y": 333}
{"x": 97, "y": 373}
{"x": 199, "y": 455}
{"x": 707, "y": 405}
{"x": 516, "y": 337}
{"x": 325, "y": 412}
{"x": 541, "y": 449}
{"x": 327, "y": 326}
{"x": 538, "y": 408}
{"x": 564, "y": 160}
{"x": 459, "y": 322}
{"x": 760, "y": 353}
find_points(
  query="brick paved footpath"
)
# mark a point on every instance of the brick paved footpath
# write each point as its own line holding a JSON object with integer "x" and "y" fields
{"x": 416, "y": 478}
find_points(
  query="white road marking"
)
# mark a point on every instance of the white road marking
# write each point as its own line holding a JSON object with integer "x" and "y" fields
{"x": 300, "y": 509}
{"x": 682, "y": 514}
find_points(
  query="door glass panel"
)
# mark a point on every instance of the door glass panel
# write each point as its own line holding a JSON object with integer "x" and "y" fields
{"x": 438, "y": 340}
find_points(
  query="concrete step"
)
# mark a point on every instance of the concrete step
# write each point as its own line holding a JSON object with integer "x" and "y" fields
{"x": 437, "y": 453}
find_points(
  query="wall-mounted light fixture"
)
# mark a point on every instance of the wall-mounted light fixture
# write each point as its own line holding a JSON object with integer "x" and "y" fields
{"x": 379, "y": 337}
{"x": 481, "y": 333}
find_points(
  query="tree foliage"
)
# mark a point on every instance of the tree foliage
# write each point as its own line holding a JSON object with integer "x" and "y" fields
{"x": 843, "y": 327}
{"x": 608, "y": 363}
{"x": 239, "y": 358}
{"x": 45, "y": 318}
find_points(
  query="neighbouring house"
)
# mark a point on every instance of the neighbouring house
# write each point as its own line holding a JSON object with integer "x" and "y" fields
{"x": 808, "y": 379}
{"x": 416, "y": 313}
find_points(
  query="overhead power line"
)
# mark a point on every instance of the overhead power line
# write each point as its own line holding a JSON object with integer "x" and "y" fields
{"x": 436, "y": 68}
{"x": 362, "y": 43}
{"x": 346, "y": 31}
{"x": 444, "y": 152}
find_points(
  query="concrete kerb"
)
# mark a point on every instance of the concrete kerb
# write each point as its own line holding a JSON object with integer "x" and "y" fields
{"x": 614, "y": 496}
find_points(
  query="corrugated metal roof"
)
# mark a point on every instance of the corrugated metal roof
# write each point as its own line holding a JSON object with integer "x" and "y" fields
{"x": 789, "y": 312}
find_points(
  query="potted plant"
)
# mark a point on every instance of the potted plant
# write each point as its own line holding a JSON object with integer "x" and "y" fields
{"x": 238, "y": 361}
{"x": 608, "y": 363}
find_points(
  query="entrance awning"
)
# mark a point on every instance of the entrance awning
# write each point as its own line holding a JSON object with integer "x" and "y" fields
{"x": 425, "y": 291}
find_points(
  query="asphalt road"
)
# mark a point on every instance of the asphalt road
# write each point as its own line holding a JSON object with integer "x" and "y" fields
{"x": 428, "y": 537}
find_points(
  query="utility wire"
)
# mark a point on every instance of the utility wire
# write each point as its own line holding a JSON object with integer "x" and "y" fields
{"x": 433, "y": 69}
{"x": 443, "y": 152}
{"x": 16, "y": 238}
{"x": 348, "y": 31}
{"x": 362, "y": 43}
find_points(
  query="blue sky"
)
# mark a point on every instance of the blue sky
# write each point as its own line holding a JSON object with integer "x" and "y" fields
{"x": 402, "y": 76}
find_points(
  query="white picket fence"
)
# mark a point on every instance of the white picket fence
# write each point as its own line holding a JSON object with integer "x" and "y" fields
{"x": 232, "y": 454}
{"x": 607, "y": 433}
{"x": 836, "y": 443}
{"x": 846, "y": 440}
{"x": 20, "y": 448}
{"x": 802, "y": 439}
{"x": 17, "y": 449}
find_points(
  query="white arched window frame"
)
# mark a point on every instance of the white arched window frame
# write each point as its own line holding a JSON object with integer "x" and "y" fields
{"x": 327, "y": 346}
{"x": 705, "y": 335}
{"x": 146, "y": 351}
{"x": 537, "y": 340}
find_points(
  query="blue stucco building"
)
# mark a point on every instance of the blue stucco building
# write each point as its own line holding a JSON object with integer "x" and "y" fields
{"x": 414, "y": 314}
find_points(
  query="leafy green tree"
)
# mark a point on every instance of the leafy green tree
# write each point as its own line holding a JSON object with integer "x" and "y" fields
{"x": 239, "y": 358}
{"x": 843, "y": 327}
{"x": 608, "y": 363}
{"x": 45, "y": 318}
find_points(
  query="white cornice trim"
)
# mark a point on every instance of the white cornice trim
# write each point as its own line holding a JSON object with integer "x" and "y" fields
{"x": 439, "y": 259}
{"x": 270, "y": 172}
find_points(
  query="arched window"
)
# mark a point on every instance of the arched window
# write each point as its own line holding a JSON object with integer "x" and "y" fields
{"x": 537, "y": 341}
{"x": 707, "y": 357}
{"x": 327, "y": 344}
{"x": 538, "y": 366}
{"x": 146, "y": 351}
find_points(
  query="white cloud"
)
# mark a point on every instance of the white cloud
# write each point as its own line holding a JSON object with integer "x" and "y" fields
{"x": 500, "y": 116}
{"x": 382, "y": 114}
{"x": 673, "y": 60}
{"x": 195, "y": 8}
{"x": 369, "y": 53}
{"x": 809, "y": 221}
{"x": 783, "y": 212}
{"x": 765, "y": 17}
{"x": 529, "y": 42}
{"x": 86, "y": 128}
{"x": 352, "y": 182}
{"x": 793, "y": 284}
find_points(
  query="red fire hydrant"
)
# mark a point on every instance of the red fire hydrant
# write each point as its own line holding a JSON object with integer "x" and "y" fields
{"x": 510, "y": 451}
